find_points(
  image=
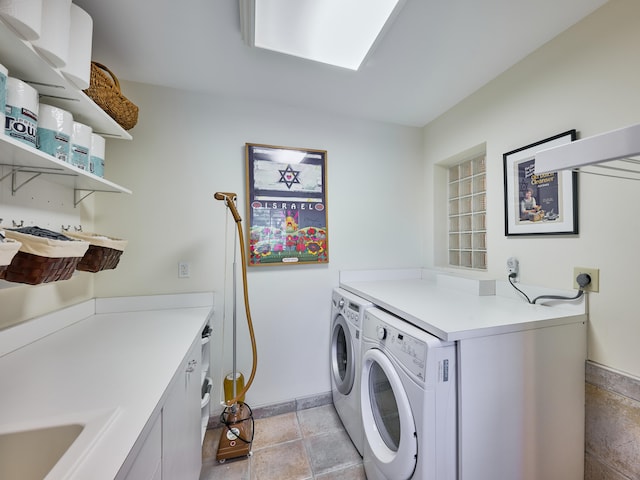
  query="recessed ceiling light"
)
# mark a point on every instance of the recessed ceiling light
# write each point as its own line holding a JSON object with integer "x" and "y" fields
{"x": 337, "y": 32}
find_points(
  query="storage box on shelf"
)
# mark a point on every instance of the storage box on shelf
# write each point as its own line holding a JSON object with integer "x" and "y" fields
{"x": 8, "y": 249}
{"x": 105, "y": 91}
{"x": 43, "y": 260}
{"x": 103, "y": 253}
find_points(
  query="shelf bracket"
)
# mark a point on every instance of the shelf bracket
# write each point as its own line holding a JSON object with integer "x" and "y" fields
{"x": 79, "y": 197}
{"x": 36, "y": 171}
{"x": 15, "y": 186}
{"x": 14, "y": 175}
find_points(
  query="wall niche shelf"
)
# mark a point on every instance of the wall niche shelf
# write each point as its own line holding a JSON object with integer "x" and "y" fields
{"x": 24, "y": 163}
{"x": 24, "y": 63}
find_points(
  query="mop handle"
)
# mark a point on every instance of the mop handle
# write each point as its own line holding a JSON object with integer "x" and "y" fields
{"x": 229, "y": 199}
{"x": 235, "y": 323}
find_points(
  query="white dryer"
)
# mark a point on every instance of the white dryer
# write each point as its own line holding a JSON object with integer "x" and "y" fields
{"x": 408, "y": 396}
{"x": 347, "y": 311}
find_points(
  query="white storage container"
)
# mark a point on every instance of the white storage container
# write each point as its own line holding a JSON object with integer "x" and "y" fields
{"x": 24, "y": 16}
{"x": 80, "y": 145}
{"x": 53, "y": 44}
{"x": 55, "y": 127}
{"x": 21, "y": 111}
{"x": 78, "y": 67}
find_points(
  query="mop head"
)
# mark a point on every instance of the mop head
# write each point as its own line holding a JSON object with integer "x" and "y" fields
{"x": 237, "y": 432}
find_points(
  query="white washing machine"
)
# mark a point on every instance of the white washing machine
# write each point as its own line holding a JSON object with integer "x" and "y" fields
{"x": 408, "y": 395}
{"x": 347, "y": 311}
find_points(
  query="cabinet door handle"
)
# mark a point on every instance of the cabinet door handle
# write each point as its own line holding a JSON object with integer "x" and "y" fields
{"x": 192, "y": 366}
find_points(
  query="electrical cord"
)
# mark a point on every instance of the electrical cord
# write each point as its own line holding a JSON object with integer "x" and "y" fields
{"x": 229, "y": 424}
{"x": 583, "y": 280}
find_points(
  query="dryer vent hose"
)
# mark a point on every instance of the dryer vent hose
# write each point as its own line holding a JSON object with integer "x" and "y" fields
{"x": 229, "y": 200}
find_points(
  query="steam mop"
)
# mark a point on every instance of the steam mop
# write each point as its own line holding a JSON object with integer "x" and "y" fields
{"x": 237, "y": 418}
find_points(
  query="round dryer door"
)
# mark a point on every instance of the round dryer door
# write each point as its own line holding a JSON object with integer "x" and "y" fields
{"x": 343, "y": 362}
{"x": 389, "y": 428}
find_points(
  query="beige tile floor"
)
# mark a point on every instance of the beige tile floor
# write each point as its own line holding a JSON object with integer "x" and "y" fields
{"x": 307, "y": 444}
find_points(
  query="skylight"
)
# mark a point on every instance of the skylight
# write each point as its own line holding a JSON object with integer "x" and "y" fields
{"x": 336, "y": 32}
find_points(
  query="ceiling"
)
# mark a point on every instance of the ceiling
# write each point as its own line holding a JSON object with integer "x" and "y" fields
{"x": 434, "y": 54}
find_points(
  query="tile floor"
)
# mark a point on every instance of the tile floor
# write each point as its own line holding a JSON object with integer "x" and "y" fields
{"x": 307, "y": 444}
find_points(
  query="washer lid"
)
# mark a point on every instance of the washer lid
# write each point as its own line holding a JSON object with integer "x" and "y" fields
{"x": 389, "y": 427}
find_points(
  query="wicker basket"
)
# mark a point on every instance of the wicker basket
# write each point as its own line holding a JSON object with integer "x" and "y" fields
{"x": 8, "y": 250}
{"x": 35, "y": 269}
{"x": 104, "y": 89}
{"x": 43, "y": 260}
{"x": 103, "y": 252}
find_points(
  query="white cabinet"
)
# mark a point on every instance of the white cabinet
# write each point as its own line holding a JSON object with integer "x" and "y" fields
{"x": 143, "y": 350}
{"x": 521, "y": 404}
{"x": 170, "y": 443}
{"x": 181, "y": 447}
{"x": 147, "y": 462}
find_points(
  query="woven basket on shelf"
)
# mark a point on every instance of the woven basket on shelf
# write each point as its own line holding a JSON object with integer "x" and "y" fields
{"x": 104, "y": 89}
{"x": 103, "y": 252}
{"x": 43, "y": 260}
{"x": 35, "y": 269}
{"x": 8, "y": 250}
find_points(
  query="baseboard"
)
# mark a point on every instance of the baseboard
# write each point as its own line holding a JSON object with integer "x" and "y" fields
{"x": 265, "y": 411}
{"x": 613, "y": 380}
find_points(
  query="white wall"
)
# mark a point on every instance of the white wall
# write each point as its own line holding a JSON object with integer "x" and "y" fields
{"x": 48, "y": 205}
{"x": 586, "y": 79}
{"x": 186, "y": 147}
{"x": 23, "y": 302}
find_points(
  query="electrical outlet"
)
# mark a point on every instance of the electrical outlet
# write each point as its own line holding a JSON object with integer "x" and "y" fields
{"x": 594, "y": 273}
{"x": 183, "y": 270}
{"x": 512, "y": 267}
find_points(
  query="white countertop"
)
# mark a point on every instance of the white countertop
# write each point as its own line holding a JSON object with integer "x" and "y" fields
{"x": 112, "y": 367}
{"x": 457, "y": 313}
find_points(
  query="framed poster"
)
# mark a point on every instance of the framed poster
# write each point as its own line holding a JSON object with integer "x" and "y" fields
{"x": 539, "y": 204}
{"x": 287, "y": 205}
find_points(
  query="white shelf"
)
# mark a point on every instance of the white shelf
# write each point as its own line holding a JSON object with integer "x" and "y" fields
{"x": 205, "y": 381}
{"x": 608, "y": 154}
{"x": 24, "y": 63}
{"x": 20, "y": 157}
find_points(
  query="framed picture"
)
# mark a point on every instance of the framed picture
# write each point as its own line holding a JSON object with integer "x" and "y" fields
{"x": 286, "y": 205}
{"x": 543, "y": 204}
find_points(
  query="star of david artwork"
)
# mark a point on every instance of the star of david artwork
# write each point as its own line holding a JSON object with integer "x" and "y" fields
{"x": 289, "y": 176}
{"x": 286, "y": 205}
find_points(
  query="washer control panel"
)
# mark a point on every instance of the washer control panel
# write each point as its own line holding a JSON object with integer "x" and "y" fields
{"x": 349, "y": 306}
{"x": 408, "y": 350}
{"x": 351, "y": 311}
